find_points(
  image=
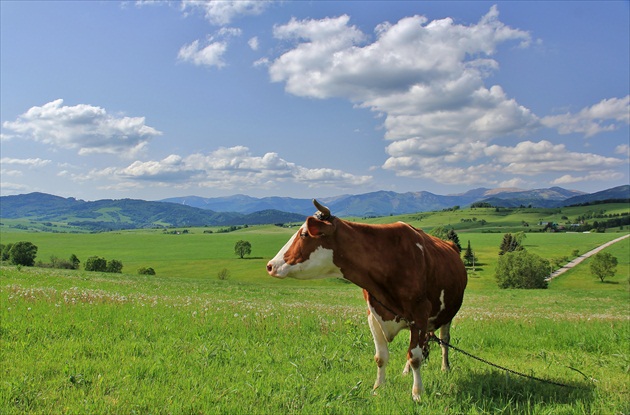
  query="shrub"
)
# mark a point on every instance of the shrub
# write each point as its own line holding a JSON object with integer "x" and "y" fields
{"x": 520, "y": 269}
{"x": 23, "y": 253}
{"x": 114, "y": 266}
{"x": 95, "y": 263}
{"x": 224, "y": 274}
{"x": 146, "y": 271}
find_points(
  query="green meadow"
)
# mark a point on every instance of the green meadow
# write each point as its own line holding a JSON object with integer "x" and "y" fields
{"x": 185, "y": 342}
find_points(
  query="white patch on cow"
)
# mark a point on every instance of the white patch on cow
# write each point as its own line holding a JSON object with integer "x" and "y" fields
{"x": 390, "y": 328}
{"x": 421, "y": 247}
{"x": 319, "y": 265}
{"x": 442, "y": 307}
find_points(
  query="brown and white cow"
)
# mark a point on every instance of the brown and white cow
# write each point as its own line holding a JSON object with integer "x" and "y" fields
{"x": 410, "y": 280}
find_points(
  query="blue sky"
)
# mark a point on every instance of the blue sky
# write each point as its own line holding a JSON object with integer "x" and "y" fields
{"x": 310, "y": 99}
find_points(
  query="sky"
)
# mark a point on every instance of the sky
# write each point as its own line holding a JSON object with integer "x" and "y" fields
{"x": 158, "y": 99}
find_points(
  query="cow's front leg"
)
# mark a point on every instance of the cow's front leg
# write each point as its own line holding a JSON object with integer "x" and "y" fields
{"x": 418, "y": 339}
{"x": 381, "y": 356}
{"x": 414, "y": 359}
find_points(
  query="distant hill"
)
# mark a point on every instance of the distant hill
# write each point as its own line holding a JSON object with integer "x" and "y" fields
{"x": 192, "y": 211}
{"x": 615, "y": 193}
{"x": 383, "y": 203}
{"x": 109, "y": 214}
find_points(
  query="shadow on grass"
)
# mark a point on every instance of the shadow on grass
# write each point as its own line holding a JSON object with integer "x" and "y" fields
{"x": 498, "y": 388}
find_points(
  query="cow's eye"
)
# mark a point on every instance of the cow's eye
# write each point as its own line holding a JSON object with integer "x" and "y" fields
{"x": 304, "y": 235}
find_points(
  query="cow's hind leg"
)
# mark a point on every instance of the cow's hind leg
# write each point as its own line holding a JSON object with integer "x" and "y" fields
{"x": 445, "y": 336}
{"x": 381, "y": 356}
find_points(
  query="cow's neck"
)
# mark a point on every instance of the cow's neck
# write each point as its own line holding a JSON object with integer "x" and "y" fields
{"x": 358, "y": 255}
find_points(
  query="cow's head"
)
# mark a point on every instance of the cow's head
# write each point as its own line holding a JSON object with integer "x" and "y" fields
{"x": 309, "y": 253}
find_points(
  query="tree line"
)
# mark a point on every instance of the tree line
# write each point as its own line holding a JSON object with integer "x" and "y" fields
{"x": 24, "y": 253}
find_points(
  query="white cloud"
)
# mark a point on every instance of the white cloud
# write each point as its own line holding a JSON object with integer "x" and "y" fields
{"x": 210, "y": 52}
{"x": 607, "y": 115}
{"x": 229, "y": 168}
{"x": 30, "y": 162}
{"x": 503, "y": 165}
{"x": 425, "y": 77}
{"x": 222, "y": 12}
{"x": 9, "y": 188}
{"x": 208, "y": 55}
{"x": 253, "y": 43}
{"x": 11, "y": 173}
{"x": 600, "y": 176}
{"x": 531, "y": 158}
{"x": 87, "y": 128}
{"x": 623, "y": 149}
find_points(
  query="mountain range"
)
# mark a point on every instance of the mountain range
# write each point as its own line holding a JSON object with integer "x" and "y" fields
{"x": 383, "y": 203}
{"x": 107, "y": 214}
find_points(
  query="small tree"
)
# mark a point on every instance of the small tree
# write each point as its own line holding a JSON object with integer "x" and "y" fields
{"x": 469, "y": 255}
{"x": 23, "y": 253}
{"x": 520, "y": 269}
{"x": 509, "y": 244}
{"x": 439, "y": 232}
{"x": 242, "y": 248}
{"x": 452, "y": 236}
{"x": 603, "y": 265}
{"x": 4, "y": 251}
{"x": 75, "y": 261}
{"x": 95, "y": 263}
{"x": 114, "y": 266}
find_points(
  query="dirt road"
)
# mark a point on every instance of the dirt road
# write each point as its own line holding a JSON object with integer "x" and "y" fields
{"x": 581, "y": 258}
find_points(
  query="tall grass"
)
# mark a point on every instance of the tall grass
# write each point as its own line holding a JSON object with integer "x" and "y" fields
{"x": 77, "y": 342}
{"x": 184, "y": 341}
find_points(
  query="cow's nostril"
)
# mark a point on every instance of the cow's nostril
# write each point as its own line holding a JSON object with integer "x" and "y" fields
{"x": 269, "y": 267}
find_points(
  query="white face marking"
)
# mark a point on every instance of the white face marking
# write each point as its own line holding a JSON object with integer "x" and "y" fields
{"x": 421, "y": 247}
{"x": 319, "y": 264}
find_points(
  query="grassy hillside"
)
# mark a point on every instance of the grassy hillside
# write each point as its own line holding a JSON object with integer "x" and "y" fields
{"x": 83, "y": 342}
{"x": 185, "y": 342}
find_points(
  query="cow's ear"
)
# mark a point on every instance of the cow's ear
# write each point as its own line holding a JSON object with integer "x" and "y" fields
{"x": 316, "y": 227}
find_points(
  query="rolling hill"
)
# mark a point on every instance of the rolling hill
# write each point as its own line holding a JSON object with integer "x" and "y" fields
{"x": 107, "y": 214}
{"x": 383, "y": 203}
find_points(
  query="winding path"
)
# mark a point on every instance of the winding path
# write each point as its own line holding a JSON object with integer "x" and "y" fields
{"x": 581, "y": 258}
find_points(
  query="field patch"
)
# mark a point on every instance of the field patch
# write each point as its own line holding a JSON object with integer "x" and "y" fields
{"x": 99, "y": 343}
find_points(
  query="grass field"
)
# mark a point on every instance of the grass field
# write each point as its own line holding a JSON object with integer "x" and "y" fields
{"x": 184, "y": 342}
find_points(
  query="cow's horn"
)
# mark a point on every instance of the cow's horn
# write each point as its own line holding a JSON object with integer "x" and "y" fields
{"x": 324, "y": 212}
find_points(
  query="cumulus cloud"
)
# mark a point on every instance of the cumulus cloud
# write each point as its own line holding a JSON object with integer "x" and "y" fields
{"x": 87, "y": 128}
{"x": 531, "y": 158}
{"x": 495, "y": 163}
{"x": 222, "y": 12}
{"x": 607, "y": 115}
{"x": 210, "y": 52}
{"x": 230, "y": 168}
{"x": 425, "y": 77}
{"x": 427, "y": 80}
